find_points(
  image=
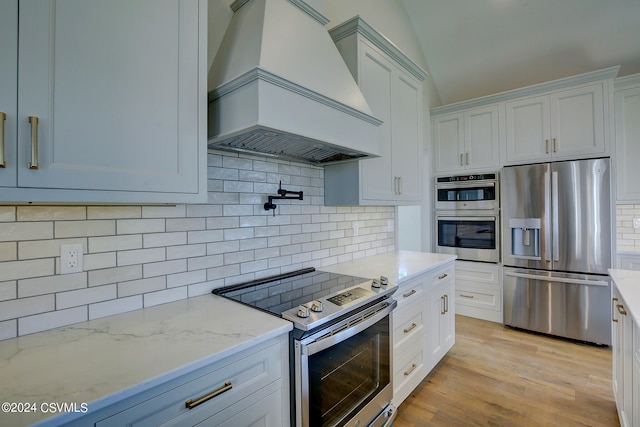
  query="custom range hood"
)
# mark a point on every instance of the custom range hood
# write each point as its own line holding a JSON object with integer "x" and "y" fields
{"x": 282, "y": 89}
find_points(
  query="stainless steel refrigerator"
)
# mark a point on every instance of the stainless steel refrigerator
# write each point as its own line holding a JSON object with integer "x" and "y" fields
{"x": 556, "y": 223}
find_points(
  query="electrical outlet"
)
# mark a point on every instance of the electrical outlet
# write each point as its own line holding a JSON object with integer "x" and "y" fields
{"x": 71, "y": 259}
{"x": 636, "y": 222}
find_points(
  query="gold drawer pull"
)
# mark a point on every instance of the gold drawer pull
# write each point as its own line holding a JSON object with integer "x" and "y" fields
{"x": 190, "y": 404}
{"x": 411, "y": 369}
{"x": 410, "y": 328}
{"x": 3, "y": 117}
{"x": 443, "y": 276}
{"x": 33, "y": 164}
{"x": 621, "y": 309}
{"x": 408, "y": 294}
{"x": 466, "y": 296}
{"x": 554, "y": 146}
{"x": 547, "y": 146}
{"x": 613, "y": 303}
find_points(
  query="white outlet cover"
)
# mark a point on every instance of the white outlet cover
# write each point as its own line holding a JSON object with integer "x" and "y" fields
{"x": 71, "y": 259}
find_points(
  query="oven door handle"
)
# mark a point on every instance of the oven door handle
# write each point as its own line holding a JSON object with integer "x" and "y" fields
{"x": 323, "y": 343}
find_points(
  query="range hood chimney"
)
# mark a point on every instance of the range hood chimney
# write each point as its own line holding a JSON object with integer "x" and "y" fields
{"x": 282, "y": 89}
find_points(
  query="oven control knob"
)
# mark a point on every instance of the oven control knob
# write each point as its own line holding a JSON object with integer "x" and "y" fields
{"x": 303, "y": 311}
{"x": 384, "y": 281}
{"x": 316, "y": 306}
{"x": 375, "y": 283}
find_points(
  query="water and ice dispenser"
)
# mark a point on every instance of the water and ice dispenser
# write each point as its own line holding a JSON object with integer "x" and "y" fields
{"x": 525, "y": 238}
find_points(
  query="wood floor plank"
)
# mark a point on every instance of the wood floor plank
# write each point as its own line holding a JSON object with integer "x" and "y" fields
{"x": 498, "y": 376}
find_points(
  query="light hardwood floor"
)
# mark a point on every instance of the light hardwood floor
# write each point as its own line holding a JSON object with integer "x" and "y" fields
{"x": 497, "y": 376}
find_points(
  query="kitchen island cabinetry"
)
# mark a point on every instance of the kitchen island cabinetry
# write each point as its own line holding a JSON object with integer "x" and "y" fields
{"x": 424, "y": 320}
{"x": 392, "y": 86}
{"x": 467, "y": 140}
{"x": 110, "y": 103}
{"x": 627, "y": 126}
{"x": 144, "y": 366}
{"x": 625, "y": 306}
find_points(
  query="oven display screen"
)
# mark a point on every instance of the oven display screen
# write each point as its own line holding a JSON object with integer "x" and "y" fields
{"x": 472, "y": 234}
{"x": 346, "y": 376}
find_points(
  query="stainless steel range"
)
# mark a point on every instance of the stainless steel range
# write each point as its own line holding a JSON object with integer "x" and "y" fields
{"x": 341, "y": 344}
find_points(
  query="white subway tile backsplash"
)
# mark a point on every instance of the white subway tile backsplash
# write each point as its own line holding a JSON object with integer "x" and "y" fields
{"x": 51, "y": 213}
{"x": 627, "y": 237}
{"x": 54, "y": 319}
{"x": 141, "y": 286}
{"x": 52, "y": 284}
{"x": 115, "y": 306}
{"x": 115, "y": 275}
{"x": 139, "y": 256}
{"x": 19, "y": 231}
{"x": 8, "y": 251}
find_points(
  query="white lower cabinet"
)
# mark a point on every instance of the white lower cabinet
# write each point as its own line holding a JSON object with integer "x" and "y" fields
{"x": 423, "y": 327}
{"x": 626, "y": 376}
{"x": 247, "y": 388}
{"x": 479, "y": 290}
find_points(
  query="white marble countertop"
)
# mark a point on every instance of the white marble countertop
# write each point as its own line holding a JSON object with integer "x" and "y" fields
{"x": 628, "y": 284}
{"x": 105, "y": 360}
{"x": 397, "y": 266}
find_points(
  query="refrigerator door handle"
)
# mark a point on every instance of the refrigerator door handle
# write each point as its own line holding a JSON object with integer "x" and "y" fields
{"x": 554, "y": 195}
{"x": 547, "y": 214}
{"x": 557, "y": 279}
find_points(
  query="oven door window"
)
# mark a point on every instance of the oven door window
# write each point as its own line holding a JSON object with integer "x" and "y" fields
{"x": 471, "y": 234}
{"x": 345, "y": 377}
{"x": 471, "y": 194}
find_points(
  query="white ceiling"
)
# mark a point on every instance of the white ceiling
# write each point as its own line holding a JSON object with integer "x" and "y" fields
{"x": 480, "y": 47}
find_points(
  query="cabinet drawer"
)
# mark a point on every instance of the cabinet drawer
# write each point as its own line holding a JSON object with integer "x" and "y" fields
{"x": 408, "y": 293}
{"x": 480, "y": 297}
{"x": 442, "y": 274}
{"x": 408, "y": 323}
{"x": 246, "y": 375}
{"x": 478, "y": 272}
{"x": 410, "y": 373}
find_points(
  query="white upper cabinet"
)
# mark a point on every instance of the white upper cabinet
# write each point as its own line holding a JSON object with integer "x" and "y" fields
{"x": 467, "y": 140}
{"x": 119, "y": 92}
{"x": 627, "y": 130}
{"x": 392, "y": 86}
{"x": 564, "y": 124}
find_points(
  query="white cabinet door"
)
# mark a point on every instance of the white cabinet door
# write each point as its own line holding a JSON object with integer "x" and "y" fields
{"x": 561, "y": 125}
{"x": 406, "y": 125}
{"x": 467, "y": 140}
{"x": 528, "y": 129}
{"x": 627, "y": 125}
{"x": 577, "y": 121}
{"x": 117, "y": 89}
{"x": 376, "y": 81}
{"x": 481, "y": 137}
{"x": 622, "y": 339}
{"x": 8, "y": 94}
{"x": 448, "y": 137}
{"x": 441, "y": 299}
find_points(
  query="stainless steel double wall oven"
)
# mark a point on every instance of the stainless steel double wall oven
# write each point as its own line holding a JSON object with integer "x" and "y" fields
{"x": 468, "y": 216}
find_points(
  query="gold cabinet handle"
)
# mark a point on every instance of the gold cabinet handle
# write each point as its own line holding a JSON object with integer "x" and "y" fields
{"x": 411, "y": 369}
{"x": 443, "y": 311}
{"x": 399, "y": 185}
{"x": 467, "y": 155}
{"x": 33, "y": 164}
{"x": 408, "y": 294}
{"x": 3, "y": 117}
{"x": 443, "y": 276}
{"x": 410, "y": 328}
{"x": 461, "y": 162}
{"x": 621, "y": 309}
{"x": 446, "y": 303}
{"x": 613, "y": 313}
{"x": 190, "y": 404}
{"x": 466, "y": 296}
{"x": 554, "y": 146}
{"x": 546, "y": 150}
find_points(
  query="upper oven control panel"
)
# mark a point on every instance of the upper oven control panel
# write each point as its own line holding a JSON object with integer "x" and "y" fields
{"x": 464, "y": 178}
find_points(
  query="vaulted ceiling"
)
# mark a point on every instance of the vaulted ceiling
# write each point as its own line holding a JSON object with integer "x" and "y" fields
{"x": 480, "y": 47}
